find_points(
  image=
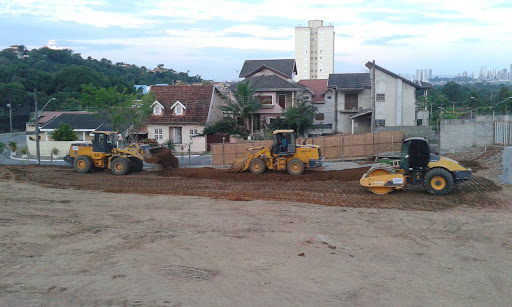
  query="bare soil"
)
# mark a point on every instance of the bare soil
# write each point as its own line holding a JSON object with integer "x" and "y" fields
{"x": 200, "y": 237}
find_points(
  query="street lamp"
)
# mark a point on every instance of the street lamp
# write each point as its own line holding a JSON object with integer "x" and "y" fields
{"x": 38, "y": 154}
{"x": 503, "y": 102}
{"x": 10, "y": 116}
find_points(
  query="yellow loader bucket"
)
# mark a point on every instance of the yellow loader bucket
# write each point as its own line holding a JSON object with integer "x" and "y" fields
{"x": 238, "y": 166}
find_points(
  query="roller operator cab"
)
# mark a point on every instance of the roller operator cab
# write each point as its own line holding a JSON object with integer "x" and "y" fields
{"x": 417, "y": 166}
{"x": 103, "y": 153}
{"x": 284, "y": 154}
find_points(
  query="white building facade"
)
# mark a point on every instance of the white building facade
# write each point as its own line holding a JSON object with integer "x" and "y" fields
{"x": 314, "y": 50}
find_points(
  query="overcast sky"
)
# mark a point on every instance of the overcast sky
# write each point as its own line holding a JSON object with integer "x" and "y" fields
{"x": 213, "y": 38}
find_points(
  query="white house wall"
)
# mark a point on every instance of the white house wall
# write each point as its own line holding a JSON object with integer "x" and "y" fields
{"x": 197, "y": 144}
{"x": 397, "y": 94}
{"x": 344, "y": 122}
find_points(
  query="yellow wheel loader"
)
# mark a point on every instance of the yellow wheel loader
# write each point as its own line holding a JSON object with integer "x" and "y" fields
{"x": 284, "y": 154}
{"x": 103, "y": 153}
{"x": 417, "y": 166}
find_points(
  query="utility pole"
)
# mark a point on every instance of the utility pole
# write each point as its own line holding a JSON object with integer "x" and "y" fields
{"x": 373, "y": 98}
{"x": 36, "y": 118}
{"x": 9, "y": 105}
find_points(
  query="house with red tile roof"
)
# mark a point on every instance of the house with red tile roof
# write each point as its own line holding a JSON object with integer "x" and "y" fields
{"x": 180, "y": 113}
{"x": 323, "y": 98}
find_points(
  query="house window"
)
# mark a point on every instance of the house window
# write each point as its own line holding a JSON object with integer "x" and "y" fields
{"x": 319, "y": 116}
{"x": 351, "y": 101}
{"x": 381, "y": 97}
{"x": 178, "y": 110}
{"x": 265, "y": 99}
{"x": 158, "y": 134}
{"x": 157, "y": 110}
{"x": 380, "y": 122}
{"x": 328, "y": 97}
{"x": 193, "y": 132}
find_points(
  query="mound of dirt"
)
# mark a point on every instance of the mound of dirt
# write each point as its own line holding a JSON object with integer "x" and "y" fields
{"x": 162, "y": 156}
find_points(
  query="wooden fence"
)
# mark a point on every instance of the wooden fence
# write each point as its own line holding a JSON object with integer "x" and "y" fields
{"x": 338, "y": 146}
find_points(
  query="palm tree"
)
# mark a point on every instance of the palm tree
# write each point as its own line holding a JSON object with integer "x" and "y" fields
{"x": 243, "y": 104}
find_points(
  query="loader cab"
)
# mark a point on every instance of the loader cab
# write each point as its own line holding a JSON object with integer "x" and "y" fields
{"x": 104, "y": 142}
{"x": 415, "y": 154}
{"x": 284, "y": 143}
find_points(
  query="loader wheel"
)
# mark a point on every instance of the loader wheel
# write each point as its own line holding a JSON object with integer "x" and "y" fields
{"x": 257, "y": 166}
{"x": 83, "y": 164}
{"x": 295, "y": 167}
{"x": 438, "y": 181}
{"x": 120, "y": 166}
{"x": 137, "y": 164}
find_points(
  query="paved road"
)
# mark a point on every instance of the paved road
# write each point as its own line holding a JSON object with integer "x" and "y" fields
{"x": 18, "y": 137}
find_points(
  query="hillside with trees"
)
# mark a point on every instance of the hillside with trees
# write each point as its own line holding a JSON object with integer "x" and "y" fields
{"x": 453, "y": 100}
{"x": 61, "y": 74}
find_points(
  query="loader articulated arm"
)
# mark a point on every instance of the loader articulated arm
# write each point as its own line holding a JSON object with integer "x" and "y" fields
{"x": 242, "y": 165}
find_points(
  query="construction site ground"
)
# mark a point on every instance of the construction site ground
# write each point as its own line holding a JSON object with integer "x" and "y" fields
{"x": 203, "y": 236}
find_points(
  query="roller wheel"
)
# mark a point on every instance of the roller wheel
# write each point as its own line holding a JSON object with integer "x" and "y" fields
{"x": 137, "y": 164}
{"x": 438, "y": 181}
{"x": 120, "y": 166}
{"x": 380, "y": 170}
{"x": 295, "y": 167}
{"x": 83, "y": 164}
{"x": 257, "y": 166}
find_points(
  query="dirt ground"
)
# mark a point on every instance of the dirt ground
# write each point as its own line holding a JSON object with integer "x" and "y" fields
{"x": 206, "y": 237}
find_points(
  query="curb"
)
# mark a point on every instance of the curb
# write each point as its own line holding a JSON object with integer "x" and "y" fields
{"x": 33, "y": 159}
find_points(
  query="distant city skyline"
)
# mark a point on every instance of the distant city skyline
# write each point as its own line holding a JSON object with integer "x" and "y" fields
{"x": 213, "y": 39}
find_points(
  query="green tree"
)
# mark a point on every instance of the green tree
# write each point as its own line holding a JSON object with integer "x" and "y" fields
{"x": 64, "y": 132}
{"x": 227, "y": 125}
{"x": 127, "y": 112}
{"x": 300, "y": 116}
{"x": 244, "y": 104}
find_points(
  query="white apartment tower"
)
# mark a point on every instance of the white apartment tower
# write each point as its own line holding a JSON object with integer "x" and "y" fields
{"x": 314, "y": 50}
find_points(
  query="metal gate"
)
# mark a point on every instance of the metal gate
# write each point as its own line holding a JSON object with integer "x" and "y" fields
{"x": 503, "y": 132}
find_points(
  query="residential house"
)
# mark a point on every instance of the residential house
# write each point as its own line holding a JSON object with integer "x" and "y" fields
{"x": 47, "y": 116}
{"x": 82, "y": 123}
{"x": 323, "y": 98}
{"x": 180, "y": 113}
{"x": 273, "y": 84}
{"x": 395, "y": 98}
{"x": 352, "y": 102}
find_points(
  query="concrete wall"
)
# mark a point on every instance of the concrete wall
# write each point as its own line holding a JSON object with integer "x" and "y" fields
{"x": 460, "y": 134}
{"x": 45, "y": 148}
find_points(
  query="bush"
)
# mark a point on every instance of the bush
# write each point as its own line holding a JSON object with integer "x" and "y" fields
{"x": 170, "y": 144}
{"x": 24, "y": 150}
{"x": 13, "y": 146}
{"x": 64, "y": 132}
{"x": 2, "y": 147}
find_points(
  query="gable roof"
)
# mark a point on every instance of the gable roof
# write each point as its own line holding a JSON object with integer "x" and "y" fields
{"x": 81, "y": 121}
{"x": 195, "y": 98}
{"x": 349, "y": 82}
{"x": 272, "y": 83}
{"x": 284, "y": 67}
{"x": 318, "y": 86}
{"x": 46, "y": 116}
{"x": 370, "y": 66}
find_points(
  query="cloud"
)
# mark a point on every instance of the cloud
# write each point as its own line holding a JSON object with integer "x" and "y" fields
{"x": 388, "y": 40}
